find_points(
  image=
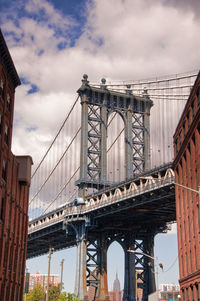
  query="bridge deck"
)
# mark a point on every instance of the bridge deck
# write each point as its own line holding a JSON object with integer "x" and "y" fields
{"x": 145, "y": 202}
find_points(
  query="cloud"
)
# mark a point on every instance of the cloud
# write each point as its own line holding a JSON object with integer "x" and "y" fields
{"x": 120, "y": 40}
{"x": 172, "y": 229}
{"x": 184, "y": 5}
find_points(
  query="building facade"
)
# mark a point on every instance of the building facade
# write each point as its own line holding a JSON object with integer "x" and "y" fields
{"x": 15, "y": 173}
{"x": 187, "y": 174}
{"x": 170, "y": 292}
{"x": 42, "y": 279}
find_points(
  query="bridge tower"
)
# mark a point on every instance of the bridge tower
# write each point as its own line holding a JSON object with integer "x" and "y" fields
{"x": 97, "y": 104}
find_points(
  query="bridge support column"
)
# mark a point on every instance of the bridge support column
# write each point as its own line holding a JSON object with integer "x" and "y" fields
{"x": 149, "y": 272}
{"x": 128, "y": 145}
{"x": 103, "y": 143}
{"x": 81, "y": 281}
{"x": 129, "y": 275}
{"x": 102, "y": 291}
{"x": 147, "y": 155}
{"x": 84, "y": 144}
{"x": 144, "y": 264}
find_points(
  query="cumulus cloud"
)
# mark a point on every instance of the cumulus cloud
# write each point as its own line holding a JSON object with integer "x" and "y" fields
{"x": 120, "y": 40}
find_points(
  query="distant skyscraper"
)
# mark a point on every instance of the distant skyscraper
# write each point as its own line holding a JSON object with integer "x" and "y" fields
{"x": 116, "y": 284}
{"x": 116, "y": 294}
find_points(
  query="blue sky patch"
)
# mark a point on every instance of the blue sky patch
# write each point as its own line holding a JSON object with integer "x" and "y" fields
{"x": 31, "y": 129}
{"x": 40, "y": 52}
{"x": 33, "y": 89}
{"x": 76, "y": 11}
{"x": 24, "y": 81}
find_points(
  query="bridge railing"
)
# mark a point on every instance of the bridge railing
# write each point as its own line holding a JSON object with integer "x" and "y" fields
{"x": 101, "y": 200}
{"x": 46, "y": 221}
{"x": 119, "y": 195}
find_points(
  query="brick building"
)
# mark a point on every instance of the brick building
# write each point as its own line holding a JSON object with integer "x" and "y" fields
{"x": 42, "y": 280}
{"x": 187, "y": 173}
{"x": 15, "y": 174}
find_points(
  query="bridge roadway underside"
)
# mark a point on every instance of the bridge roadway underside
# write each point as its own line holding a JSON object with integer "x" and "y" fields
{"x": 146, "y": 212}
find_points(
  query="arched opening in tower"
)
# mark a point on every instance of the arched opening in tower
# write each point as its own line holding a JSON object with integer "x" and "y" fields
{"x": 115, "y": 148}
{"x": 115, "y": 270}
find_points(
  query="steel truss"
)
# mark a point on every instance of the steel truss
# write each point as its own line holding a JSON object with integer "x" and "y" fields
{"x": 138, "y": 143}
{"x": 94, "y": 135}
{"x": 97, "y": 105}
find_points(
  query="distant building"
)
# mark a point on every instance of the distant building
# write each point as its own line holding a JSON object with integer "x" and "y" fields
{"x": 116, "y": 284}
{"x": 170, "y": 292}
{"x": 15, "y": 175}
{"x": 187, "y": 173}
{"x": 116, "y": 294}
{"x": 42, "y": 280}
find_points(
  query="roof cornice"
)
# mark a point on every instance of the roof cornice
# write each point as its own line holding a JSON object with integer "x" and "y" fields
{"x": 8, "y": 64}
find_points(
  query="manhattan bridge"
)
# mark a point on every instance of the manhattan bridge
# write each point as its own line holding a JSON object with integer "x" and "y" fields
{"x": 108, "y": 176}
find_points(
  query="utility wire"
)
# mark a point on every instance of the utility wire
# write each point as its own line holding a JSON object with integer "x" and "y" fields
{"x": 171, "y": 266}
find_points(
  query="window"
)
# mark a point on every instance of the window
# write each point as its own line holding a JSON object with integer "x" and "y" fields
{"x": 183, "y": 294}
{"x": 4, "y": 170}
{"x": 188, "y": 120}
{"x": 197, "y": 290}
{"x": 192, "y": 293}
{"x": 0, "y": 122}
{"x": 198, "y": 97}
{"x": 192, "y": 110}
{"x": 187, "y": 293}
{"x": 180, "y": 140}
{"x": 1, "y": 88}
{"x": 8, "y": 103}
{"x": 6, "y": 134}
{"x": 184, "y": 130}
{"x": 2, "y": 209}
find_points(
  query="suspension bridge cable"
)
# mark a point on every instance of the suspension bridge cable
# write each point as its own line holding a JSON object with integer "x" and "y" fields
{"x": 151, "y": 81}
{"x": 58, "y": 164}
{"x": 55, "y": 166}
{"x": 154, "y": 89}
{"x": 55, "y": 137}
{"x": 115, "y": 140}
{"x": 77, "y": 171}
{"x": 111, "y": 119}
{"x": 60, "y": 191}
{"x": 75, "y": 174}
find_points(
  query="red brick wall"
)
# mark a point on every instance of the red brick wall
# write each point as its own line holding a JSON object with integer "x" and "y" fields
{"x": 13, "y": 199}
{"x": 187, "y": 173}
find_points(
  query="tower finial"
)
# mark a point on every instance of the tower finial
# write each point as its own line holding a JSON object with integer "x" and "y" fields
{"x": 85, "y": 79}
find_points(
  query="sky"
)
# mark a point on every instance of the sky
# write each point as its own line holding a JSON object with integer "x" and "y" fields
{"x": 53, "y": 43}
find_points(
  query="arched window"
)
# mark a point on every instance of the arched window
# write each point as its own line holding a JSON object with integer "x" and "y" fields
{"x": 6, "y": 134}
{"x": 4, "y": 170}
{"x": 8, "y": 102}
